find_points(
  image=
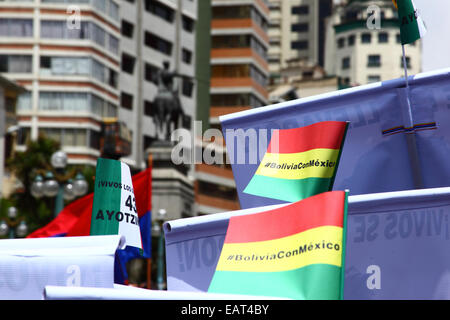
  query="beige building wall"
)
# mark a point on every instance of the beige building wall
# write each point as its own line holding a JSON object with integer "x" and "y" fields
{"x": 357, "y": 61}
{"x": 293, "y": 32}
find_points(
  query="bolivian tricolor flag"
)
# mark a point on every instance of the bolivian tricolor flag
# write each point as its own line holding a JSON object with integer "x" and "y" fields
{"x": 299, "y": 162}
{"x": 296, "y": 251}
{"x": 412, "y": 26}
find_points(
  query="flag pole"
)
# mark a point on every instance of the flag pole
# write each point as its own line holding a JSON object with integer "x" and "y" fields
{"x": 149, "y": 260}
{"x": 405, "y": 67}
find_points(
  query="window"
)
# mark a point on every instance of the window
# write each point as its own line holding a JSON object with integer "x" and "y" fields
{"x": 94, "y": 139}
{"x": 374, "y": 60}
{"x": 113, "y": 44}
{"x": 160, "y": 10}
{"x": 408, "y": 62}
{"x": 373, "y": 78}
{"x": 341, "y": 42}
{"x": 64, "y": 101}
{"x": 112, "y": 78}
{"x": 235, "y": 99}
{"x": 46, "y": 62}
{"x": 65, "y": 65}
{"x": 383, "y": 37}
{"x": 153, "y": 41}
{"x": 230, "y": 41}
{"x": 187, "y": 88}
{"x": 231, "y": 12}
{"x": 346, "y": 63}
{"x": 127, "y": 29}
{"x": 54, "y": 29}
{"x": 366, "y": 38}
{"x": 126, "y": 100}
{"x": 188, "y": 24}
{"x": 398, "y": 38}
{"x": 299, "y": 45}
{"x": 300, "y": 27}
{"x": 151, "y": 73}
{"x": 128, "y": 63}
{"x": 351, "y": 40}
{"x": 67, "y": 136}
{"x": 230, "y": 71}
{"x": 186, "y": 56}
{"x": 16, "y": 27}
{"x": 15, "y": 63}
{"x": 24, "y": 102}
{"x": 148, "y": 108}
{"x": 58, "y": 30}
{"x": 301, "y": 10}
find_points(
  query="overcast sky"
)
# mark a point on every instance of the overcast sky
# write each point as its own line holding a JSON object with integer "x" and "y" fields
{"x": 436, "y": 43}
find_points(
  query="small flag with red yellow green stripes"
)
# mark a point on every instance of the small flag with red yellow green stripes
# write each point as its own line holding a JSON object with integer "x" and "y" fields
{"x": 299, "y": 162}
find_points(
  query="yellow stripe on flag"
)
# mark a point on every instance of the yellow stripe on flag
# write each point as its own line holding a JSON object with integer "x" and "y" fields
{"x": 316, "y": 163}
{"x": 322, "y": 245}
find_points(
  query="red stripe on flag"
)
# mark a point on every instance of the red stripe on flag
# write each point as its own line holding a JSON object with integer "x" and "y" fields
{"x": 75, "y": 218}
{"x": 325, "y": 135}
{"x": 312, "y": 212}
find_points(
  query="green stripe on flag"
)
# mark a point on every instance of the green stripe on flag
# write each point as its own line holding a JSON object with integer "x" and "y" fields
{"x": 411, "y": 25}
{"x": 107, "y": 197}
{"x": 287, "y": 189}
{"x": 314, "y": 282}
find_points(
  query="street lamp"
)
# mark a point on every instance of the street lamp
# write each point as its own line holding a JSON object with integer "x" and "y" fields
{"x": 57, "y": 185}
{"x": 12, "y": 226}
{"x": 157, "y": 229}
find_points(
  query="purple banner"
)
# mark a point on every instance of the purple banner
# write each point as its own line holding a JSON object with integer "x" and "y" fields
{"x": 397, "y": 246}
{"x": 398, "y": 138}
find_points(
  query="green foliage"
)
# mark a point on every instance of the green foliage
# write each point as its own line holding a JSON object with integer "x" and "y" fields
{"x": 26, "y": 166}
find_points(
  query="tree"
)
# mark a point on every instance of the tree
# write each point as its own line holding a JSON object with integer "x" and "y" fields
{"x": 25, "y": 165}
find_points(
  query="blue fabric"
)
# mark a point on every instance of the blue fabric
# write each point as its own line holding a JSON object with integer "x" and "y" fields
{"x": 129, "y": 253}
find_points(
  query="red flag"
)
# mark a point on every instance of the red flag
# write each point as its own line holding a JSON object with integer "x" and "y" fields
{"x": 75, "y": 218}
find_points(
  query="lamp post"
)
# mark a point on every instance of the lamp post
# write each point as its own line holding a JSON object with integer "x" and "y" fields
{"x": 56, "y": 185}
{"x": 13, "y": 227}
{"x": 157, "y": 229}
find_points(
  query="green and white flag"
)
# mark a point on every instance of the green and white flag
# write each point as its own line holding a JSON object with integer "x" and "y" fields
{"x": 412, "y": 26}
{"x": 114, "y": 206}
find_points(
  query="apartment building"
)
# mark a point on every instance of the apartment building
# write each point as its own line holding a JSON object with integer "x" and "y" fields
{"x": 68, "y": 60}
{"x": 239, "y": 77}
{"x": 361, "y": 51}
{"x": 154, "y": 32}
{"x": 297, "y": 33}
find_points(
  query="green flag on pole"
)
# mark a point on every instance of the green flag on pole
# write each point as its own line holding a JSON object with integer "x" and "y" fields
{"x": 412, "y": 26}
{"x": 114, "y": 205}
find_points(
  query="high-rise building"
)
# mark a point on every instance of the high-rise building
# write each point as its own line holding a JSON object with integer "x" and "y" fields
{"x": 86, "y": 60}
{"x": 239, "y": 76}
{"x": 68, "y": 60}
{"x": 297, "y": 32}
{"x": 363, "y": 44}
{"x": 154, "y": 32}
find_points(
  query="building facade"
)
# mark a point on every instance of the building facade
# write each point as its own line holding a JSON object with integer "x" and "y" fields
{"x": 154, "y": 32}
{"x": 9, "y": 92}
{"x": 362, "y": 50}
{"x": 239, "y": 78}
{"x": 297, "y": 32}
{"x": 67, "y": 57}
